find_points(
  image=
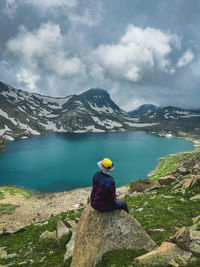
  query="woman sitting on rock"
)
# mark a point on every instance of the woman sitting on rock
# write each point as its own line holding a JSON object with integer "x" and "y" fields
{"x": 103, "y": 195}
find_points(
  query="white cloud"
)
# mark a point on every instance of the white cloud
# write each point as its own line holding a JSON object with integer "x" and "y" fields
{"x": 186, "y": 58}
{"x": 28, "y": 78}
{"x": 90, "y": 16}
{"x": 137, "y": 51}
{"x": 46, "y": 48}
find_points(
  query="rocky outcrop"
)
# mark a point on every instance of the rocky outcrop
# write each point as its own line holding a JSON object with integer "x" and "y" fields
{"x": 187, "y": 239}
{"x": 166, "y": 180}
{"x": 167, "y": 253}
{"x": 48, "y": 235}
{"x": 140, "y": 185}
{"x": 100, "y": 232}
{"x": 61, "y": 230}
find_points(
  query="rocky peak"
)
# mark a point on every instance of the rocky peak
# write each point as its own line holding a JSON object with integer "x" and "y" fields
{"x": 99, "y": 99}
{"x": 144, "y": 109}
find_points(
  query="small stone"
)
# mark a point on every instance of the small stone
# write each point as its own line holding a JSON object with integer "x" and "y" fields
{"x": 140, "y": 209}
{"x": 70, "y": 247}
{"x": 61, "y": 230}
{"x": 3, "y": 253}
{"x": 70, "y": 224}
{"x": 47, "y": 234}
{"x": 44, "y": 223}
{"x": 196, "y": 197}
{"x": 10, "y": 256}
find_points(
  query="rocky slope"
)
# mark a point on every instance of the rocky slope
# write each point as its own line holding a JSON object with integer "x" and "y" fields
{"x": 168, "y": 210}
{"x": 143, "y": 110}
{"x": 24, "y": 114}
{"x": 171, "y": 120}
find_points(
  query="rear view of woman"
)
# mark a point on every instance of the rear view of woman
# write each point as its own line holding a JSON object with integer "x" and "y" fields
{"x": 103, "y": 195}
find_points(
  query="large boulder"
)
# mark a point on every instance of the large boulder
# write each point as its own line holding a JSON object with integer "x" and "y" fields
{"x": 166, "y": 180}
{"x": 187, "y": 239}
{"x": 181, "y": 237}
{"x": 167, "y": 253}
{"x": 140, "y": 185}
{"x": 100, "y": 232}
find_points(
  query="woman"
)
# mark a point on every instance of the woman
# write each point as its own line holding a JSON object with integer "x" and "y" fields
{"x": 103, "y": 195}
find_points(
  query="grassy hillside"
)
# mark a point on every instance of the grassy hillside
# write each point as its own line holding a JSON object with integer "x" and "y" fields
{"x": 158, "y": 211}
{"x": 169, "y": 164}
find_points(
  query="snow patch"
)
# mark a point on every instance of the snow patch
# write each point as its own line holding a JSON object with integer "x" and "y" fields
{"x": 141, "y": 124}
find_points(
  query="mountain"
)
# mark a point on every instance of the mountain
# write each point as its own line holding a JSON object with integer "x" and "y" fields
{"x": 24, "y": 114}
{"x": 143, "y": 110}
{"x": 175, "y": 121}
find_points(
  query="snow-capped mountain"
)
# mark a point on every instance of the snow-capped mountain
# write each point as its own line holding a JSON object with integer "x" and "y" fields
{"x": 172, "y": 113}
{"x": 24, "y": 114}
{"x": 143, "y": 110}
{"x": 174, "y": 121}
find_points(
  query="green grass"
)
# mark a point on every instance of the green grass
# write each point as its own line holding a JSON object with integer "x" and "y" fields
{"x": 125, "y": 258}
{"x": 161, "y": 212}
{"x": 119, "y": 258}
{"x": 28, "y": 247}
{"x": 7, "y": 209}
{"x": 170, "y": 163}
{"x": 158, "y": 212}
{"x": 1, "y": 195}
{"x": 15, "y": 191}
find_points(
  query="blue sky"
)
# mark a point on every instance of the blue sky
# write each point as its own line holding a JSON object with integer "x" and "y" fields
{"x": 139, "y": 51}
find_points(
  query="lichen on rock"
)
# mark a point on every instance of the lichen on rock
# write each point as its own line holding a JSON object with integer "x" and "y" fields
{"x": 100, "y": 232}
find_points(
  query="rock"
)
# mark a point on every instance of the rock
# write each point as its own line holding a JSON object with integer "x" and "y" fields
{"x": 196, "y": 219}
{"x": 155, "y": 185}
{"x": 140, "y": 209}
{"x": 3, "y": 253}
{"x": 61, "y": 230}
{"x": 166, "y": 180}
{"x": 194, "y": 246}
{"x": 70, "y": 247}
{"x": 47, "y": 234}
{"x": 182, "y": 170}
{"x": 140, "y": 185}
{"x": 70, "y": 224}
{"x": 189, "y": 182}
{"x": 196, "y": 197}
{"x": 167, "y": 253}
{"x": 100, "y": 232}
{"x": 181, "y": 237}
{"x": 10, "y": 256}
{"x": 196, "y": 168}
{"x": 178, "y": 185}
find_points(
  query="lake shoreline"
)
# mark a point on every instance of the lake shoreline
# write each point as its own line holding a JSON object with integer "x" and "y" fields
{"x": 41, "y": 193}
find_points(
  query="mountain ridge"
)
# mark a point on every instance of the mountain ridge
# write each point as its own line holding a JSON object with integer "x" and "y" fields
{"x": 24, "y": 114}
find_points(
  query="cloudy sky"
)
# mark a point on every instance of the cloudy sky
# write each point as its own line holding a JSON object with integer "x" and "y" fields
{"x": 139, "y": 51}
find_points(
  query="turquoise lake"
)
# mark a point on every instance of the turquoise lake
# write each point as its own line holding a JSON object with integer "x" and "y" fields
{"x": 64, "y": 161}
